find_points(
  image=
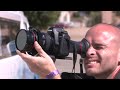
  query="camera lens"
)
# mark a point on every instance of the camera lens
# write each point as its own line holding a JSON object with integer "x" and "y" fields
{"x": 24, "y": 40}
{"x": 21, "y": 40}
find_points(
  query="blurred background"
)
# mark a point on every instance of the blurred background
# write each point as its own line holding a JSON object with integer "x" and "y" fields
{"x": 71, "y": 19}
{"x": 76, "y": 23}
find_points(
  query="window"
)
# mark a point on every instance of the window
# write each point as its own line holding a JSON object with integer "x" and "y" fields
{"x": 8, "y": 31}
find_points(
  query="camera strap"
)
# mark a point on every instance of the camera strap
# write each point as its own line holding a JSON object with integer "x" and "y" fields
{"x": 81, "y": 65}
{"x": 74, "y": 56}
{"x": 75, "y": 59}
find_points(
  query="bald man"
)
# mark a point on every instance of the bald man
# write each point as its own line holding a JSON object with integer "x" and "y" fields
{"x": 102, "y": 58}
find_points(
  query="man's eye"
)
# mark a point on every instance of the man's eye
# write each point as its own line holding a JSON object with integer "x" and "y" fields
{"x": 98, "y": 47}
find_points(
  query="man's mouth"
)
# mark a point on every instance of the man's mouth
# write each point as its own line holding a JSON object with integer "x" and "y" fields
{"x": 92, "y": 62}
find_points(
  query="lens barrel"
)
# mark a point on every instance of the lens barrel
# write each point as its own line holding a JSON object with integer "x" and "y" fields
{"x": 25, "y": 40}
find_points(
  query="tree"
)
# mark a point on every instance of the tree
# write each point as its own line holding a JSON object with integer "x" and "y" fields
{"x": 42, "y": 19}
{"x": 117, "y": 13}
{"x": 95, "y": 17}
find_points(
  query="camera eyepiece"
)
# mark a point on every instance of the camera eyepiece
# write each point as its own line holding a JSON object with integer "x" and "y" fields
{"x": 84, "y": 45}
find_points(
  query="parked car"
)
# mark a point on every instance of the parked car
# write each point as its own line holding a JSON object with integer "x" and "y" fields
{"x": 11, "y": 65}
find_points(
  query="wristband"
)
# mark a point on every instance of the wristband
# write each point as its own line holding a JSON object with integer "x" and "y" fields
{"x": 52, "y": 74}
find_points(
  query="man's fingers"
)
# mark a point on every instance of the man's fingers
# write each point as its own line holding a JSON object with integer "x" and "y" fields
{"x": 25, "y": 57}
{"x": 39, "y": 48}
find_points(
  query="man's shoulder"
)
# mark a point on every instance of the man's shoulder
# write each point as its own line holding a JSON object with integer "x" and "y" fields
{"x": 117, "y": 76}
{"x": 67, "y": 75}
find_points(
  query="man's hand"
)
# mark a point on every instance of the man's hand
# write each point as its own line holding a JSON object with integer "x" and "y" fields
{"x": 42, "y": 64}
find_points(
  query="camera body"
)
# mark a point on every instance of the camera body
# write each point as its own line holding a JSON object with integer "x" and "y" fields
{"x": 55, "y": 42}
{"x": 60, "y": 42}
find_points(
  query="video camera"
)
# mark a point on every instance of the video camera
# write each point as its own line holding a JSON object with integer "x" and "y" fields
{"x": 55, "y": 42}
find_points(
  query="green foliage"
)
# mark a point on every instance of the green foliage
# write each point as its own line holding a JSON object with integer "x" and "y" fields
{"x": 117, "y": 13}
{"x": 95, "y": 17}
{"x": 76, "y": 15}
{"x": 42, "y": 19}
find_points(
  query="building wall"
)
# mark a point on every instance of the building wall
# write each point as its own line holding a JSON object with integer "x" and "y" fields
{"x": 107, "y": 17}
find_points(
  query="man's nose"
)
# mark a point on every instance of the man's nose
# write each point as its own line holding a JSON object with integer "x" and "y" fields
{"x": 90, "y": 52}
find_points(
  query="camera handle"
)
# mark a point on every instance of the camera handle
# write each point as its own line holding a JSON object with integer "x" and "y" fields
{"x": 56, "y": 37}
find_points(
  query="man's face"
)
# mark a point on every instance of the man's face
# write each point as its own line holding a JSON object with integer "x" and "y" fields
{"x": 102, "y": 56}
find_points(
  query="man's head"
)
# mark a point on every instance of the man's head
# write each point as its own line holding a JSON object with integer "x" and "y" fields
{"x": 103, "y": 56}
